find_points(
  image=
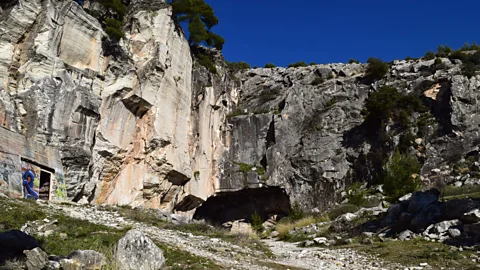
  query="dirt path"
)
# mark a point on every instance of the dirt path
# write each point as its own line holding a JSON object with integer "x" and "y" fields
{"x": 321, "y": 258}
{"x": 229, "y": 255}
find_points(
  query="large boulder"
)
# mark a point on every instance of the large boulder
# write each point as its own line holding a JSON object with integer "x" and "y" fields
{"x": 37, "y": 259}
{"x": 135, "y": 251}
{"x": 429, "y": 215}
{"x": 456, "y": 209}
{"x": 420, "y": 200}
{"x": 14, "y": 242}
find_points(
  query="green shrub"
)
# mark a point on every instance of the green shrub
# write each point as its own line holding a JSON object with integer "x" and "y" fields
{"x": 114, "y": 29}
{"x": 341, "y": 210}
{"x": 468, "y": 69}
{"x": 388, "y": 103}
{"x": 296, "y": 213}
{"x": 330, "y": 76}
{"x": 401, "y": 176}
{"x": 317, "y": 81}
{"x": 438, "y": 61}
{"x": 353, "y": 61}
{"x": 269, "y": 65}
{"x": 298, "y": 64}
{"x": 409, "y": 58}
{"x": 312, "y": 64}
{"x": 429, "y": 55}
{"x": 112, "y": 21}
{"x": 443, "y": 51}
{"x": 376, "y": 69}
{"x": 257, "y": 222}
{"x": 207, "y": 62}
{"x": 459, "y": 55}
{"x": 356, "y": 195}
{"x": 405, "y": 142}
{"x": 237, "y": 66}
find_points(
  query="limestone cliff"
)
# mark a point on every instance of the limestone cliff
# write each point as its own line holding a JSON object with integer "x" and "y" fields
{"x": 148, "y": 126}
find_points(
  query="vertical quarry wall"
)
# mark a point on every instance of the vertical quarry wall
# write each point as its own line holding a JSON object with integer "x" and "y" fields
{"x": 143, "y": 124}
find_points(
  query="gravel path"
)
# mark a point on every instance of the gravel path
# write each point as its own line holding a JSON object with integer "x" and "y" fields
{"x": 229, "y": 255}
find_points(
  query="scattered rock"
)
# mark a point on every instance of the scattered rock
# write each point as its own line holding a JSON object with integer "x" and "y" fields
{"x": 239, "y": 227}
{"x": 347, "y": 217}
{"x": 367, "y": 241}
{"x": 321, "y": 241}
{"x": 135, "y": 251}
{"x": 405, "y": 198}
{"x": 472, "y": 216}
{"x": 407, "y": 234}
{"x": 15, "y": 242}
{"x": 454, "y": 232}
{"x": 37, "y": 259}
{"x": 88, "y": 259}
{"x": 274, "y": 234}
{"x": 445, "y": 225}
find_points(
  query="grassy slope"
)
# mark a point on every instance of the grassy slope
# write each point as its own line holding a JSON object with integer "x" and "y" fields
{"x": 85, "y": 235}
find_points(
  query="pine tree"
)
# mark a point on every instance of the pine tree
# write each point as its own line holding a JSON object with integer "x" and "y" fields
{"x": 200, "y": 18}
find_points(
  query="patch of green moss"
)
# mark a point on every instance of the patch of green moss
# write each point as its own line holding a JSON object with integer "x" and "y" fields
{"x": 176, "y": 258}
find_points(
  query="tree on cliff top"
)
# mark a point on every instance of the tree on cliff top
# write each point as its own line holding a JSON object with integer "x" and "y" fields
{"x": 200, "y": 18}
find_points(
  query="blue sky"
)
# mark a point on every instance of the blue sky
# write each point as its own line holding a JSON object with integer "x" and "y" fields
{"x": 287, "y": 31}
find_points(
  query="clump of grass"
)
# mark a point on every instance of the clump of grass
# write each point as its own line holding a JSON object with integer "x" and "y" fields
{"x": 81, "y": 235}
{"x": 342, "y": 209}
{"x": 452, "y": 192}
{"x": 176, "y": 258}
{"x": 13, "y": 215}
{"x": 141, "y": 215}
{"x": 413, "y": 252}
{"x": 284, "y": 227}
{"x": 235, "y": 113}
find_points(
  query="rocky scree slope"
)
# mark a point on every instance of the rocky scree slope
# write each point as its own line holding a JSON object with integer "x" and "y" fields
{"x": 150, "y": 127}
{"x": 303, "y": 129}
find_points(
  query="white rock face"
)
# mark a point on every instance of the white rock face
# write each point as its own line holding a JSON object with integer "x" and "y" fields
{"x": 121, "y": 125}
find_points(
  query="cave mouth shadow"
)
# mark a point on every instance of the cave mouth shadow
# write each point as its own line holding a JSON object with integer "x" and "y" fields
{"x": 242, "y": 204}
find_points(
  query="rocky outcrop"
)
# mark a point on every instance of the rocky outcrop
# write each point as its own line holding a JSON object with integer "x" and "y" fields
{"x": 119, "y": 123}
{"x": 141, "y": 123}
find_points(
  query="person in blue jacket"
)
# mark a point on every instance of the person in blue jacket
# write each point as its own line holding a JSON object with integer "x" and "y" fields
{"x": 80, "y": 2}
{"x": 28, "y": 181}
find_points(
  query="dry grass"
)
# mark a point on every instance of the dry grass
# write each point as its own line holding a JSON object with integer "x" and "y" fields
{"x": 284, "y": 227}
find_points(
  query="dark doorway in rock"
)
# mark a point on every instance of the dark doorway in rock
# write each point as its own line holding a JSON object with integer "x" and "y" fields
{"x": 44, "y": 191}
{"x": 242, "y": 204}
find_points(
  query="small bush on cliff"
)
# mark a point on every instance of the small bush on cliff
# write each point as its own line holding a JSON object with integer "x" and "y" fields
{"x": 114, "y": 29}
{"x": 443, "y": 51}
{"x": 269, "y": 65}
{"x": 387, "y": 103}
{"x": 468, "y": 69}
{"x": 207, "y": 62}
{"x": 429, "y": 55}
{"x": 356, "y": 195}
{"x": 376, "y": 69}
{"x": 237, "y": 66}
{"x": 298, "y": 64}
{"x": 113, "y": 17}
{"x": 401, "y": 176}
{"x": 353, "y": 61}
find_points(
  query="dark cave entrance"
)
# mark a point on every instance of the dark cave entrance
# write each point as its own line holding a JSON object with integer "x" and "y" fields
{"x": 44, "y": 190}
{"x": 242, "y": 204}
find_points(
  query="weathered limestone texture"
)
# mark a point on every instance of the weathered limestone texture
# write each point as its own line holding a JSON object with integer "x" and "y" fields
{"x": 143, "y": 124}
